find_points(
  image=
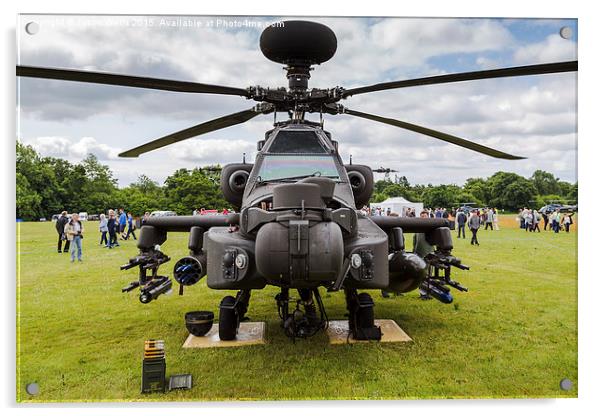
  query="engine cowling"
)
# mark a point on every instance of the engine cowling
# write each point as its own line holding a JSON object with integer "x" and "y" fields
{"x": 361, "y": 179}
{"x": 233, "y": 181}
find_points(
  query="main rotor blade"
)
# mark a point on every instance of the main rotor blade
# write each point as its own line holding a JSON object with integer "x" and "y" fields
{"x": 206, "y": 127}
{"x": 127, "y": 80}
{"x": 516, "y": 71}
{"x": 436, "y": 134}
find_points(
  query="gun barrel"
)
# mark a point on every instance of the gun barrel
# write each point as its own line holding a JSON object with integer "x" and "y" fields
{"x": 457, "y": 285}
{"x": 155, "y": 288}
{"x": 131, "y": 286}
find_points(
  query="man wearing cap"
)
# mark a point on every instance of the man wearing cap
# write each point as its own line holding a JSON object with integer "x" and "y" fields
{"x": 60, "y": 229}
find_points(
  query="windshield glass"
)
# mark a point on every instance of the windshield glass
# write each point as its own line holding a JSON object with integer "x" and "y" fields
{"x": 297, "y": 166}
{"x": 297, "y": 141}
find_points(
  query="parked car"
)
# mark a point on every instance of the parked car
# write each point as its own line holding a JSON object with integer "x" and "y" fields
{"x": 163, "y": 214}
{"x": 94, "y": 217}
{"x": 548, "y": 209}
{"x": 83, "y": 216}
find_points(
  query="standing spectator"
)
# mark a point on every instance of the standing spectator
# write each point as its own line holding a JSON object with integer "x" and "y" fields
{"x": 528, "y": 219}
{"x": 104, "y": 230}
{"x": 526, "y": 213}
{"x": 520, "y": 218}
{"x": 461, "y": 221}
{"x": 546, "y": 219}
{"x": 536, "y": 219}
{"x": 122, "y": 222}
{"x": 75, "y": 231}
{"x": 131, "y": 227}
{"x": 567, "y": 220}
{"x": 61, "y": 222}
{"x": 555, "y": 217}
{"x": 113, "y": 227}
{"x": 489, "y": 219}
{"x": 474, "y": 223}
{"x": 496, "y": 224}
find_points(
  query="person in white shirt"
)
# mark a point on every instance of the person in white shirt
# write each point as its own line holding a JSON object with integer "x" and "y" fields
{"x": 567, "y": 220}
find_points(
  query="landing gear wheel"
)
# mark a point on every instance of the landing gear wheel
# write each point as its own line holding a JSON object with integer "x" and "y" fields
{"x": 228, "y": 319}
{"x": 365, "y": 313}
{"x": 361, "y": 316}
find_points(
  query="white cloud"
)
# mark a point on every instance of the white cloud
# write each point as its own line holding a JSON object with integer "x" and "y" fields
{"x": 553, "y": 49}
{"x": 210, "y": 151}
{"x": 532, "y": 115}
{"x": 73, "y": 150}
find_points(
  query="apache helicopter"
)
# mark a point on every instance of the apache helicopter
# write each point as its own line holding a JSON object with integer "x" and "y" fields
{"x": 299, "y": 225}
{"x": 386, "y": 171}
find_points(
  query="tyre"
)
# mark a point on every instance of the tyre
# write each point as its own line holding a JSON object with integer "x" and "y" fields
{"x": 228, "y": 319}
{"x": 365, "y": 314}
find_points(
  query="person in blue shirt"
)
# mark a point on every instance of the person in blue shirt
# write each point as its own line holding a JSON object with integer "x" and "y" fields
{"x": 130, "y": 227}
{"x": 122, "y": 222}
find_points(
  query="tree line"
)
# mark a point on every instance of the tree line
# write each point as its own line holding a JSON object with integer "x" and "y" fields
{"x": 48, "y": 185}
{"x": 502, "y": 190}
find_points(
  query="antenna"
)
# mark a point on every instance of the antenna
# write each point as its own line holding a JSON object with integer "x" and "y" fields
{"x": 351, "y": 159}
{"x": 244, "y": 158}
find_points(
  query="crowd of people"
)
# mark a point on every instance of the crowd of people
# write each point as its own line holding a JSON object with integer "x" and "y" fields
{"x": 556, "y": 221}
{"x": 460, "y": 218}
{"x": 120, "y": 224}
{"x": 113, "y": 226}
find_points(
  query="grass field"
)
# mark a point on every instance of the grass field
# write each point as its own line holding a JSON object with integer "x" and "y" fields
{"x": 514, "y": 334}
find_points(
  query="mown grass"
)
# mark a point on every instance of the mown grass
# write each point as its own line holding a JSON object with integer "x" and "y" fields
{"x": 513, "y": 335}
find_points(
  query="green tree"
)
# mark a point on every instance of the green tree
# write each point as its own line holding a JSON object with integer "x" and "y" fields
{"x": 573, "y": 194}
{"x": 143, "y": 195}
{"x": 187, "y": 190}
{"x": 477, "y": 190}
{"x": 28, "y": 200}
{"x": 511, "y": 191}
{"x": 37, "y": 176}
{"x": 544, "y": 182}
{"x": 99, "y": 188}
{"x": 444, "y": 196}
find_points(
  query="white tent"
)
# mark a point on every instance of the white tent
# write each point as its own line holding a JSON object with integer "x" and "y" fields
{"x": 398, "y": 205}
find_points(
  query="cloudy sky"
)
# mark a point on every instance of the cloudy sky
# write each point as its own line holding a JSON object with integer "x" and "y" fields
{"x": 528, "y": 116}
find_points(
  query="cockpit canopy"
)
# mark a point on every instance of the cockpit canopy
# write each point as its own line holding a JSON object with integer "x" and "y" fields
{"x": 297, "y": 141}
